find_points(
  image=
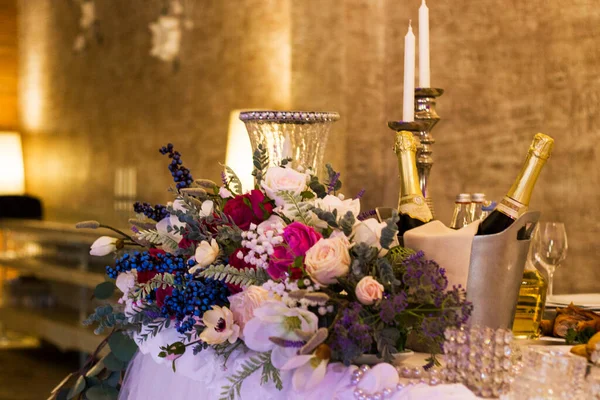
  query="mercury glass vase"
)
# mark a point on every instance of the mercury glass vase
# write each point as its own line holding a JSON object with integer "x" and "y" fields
{"x": 299, "y": 135}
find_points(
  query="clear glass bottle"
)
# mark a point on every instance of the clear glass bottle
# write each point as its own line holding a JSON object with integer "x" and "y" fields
{"x": 462, "y": 213}
{"x": 477, "y": 202}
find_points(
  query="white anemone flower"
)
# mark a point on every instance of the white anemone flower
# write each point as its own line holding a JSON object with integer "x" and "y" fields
{"x": 309, "y": 369}
{"x": 275, "y": 319}
{"x": 219, "y": 326}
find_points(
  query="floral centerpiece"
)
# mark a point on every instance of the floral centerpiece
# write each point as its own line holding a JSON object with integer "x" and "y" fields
{"x": 291, "y": 270}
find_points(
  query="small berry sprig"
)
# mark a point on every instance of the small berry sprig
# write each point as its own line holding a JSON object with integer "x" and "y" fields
{"x": 156, "y": 213}
{"x": 181, "y": 175}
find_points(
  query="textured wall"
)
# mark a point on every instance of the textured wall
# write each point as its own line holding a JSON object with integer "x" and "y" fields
{"x": 510, "y": 69}
{"x": 8, "y": 64}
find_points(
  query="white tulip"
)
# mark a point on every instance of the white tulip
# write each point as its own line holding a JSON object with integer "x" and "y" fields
{"x": 206, "y": 254}
{"x": 207, "y": 208}
{"x": 105, "y": 245}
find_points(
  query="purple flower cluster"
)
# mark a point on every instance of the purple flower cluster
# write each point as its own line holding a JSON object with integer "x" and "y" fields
{"x": 332, "y": 183}
{"x": 424, "y": 279}
{"x": 351, "y": 337}
{"x": 366, "y": 215}
{"x": 392, "y": 306}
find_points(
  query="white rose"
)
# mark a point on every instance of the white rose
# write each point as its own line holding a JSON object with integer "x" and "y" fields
{"x": 279, "y": 179}
{"x": 243, "y": 304}
{"x": 126, "y": 281}
{"x": 330, "y": 203}
{"x": 369, "y": 232}
{"x": 105, "y": 245}
{"x": 327, "y": 260}
{"x": 368, "y": 291}
{"x": 206, "y": 254}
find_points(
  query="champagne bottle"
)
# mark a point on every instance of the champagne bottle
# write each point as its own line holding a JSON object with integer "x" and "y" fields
{"x": 412, "y": 209}
{"x": 516, "y": 202}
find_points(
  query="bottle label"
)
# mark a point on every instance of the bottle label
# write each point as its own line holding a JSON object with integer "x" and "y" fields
{"x": 511, "y": 207}
{"x": 415, "y": 207}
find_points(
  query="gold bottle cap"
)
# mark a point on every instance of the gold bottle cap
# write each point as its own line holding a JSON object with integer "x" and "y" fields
{"x": 405, "y": 141}
{"x": 541, "y": 146}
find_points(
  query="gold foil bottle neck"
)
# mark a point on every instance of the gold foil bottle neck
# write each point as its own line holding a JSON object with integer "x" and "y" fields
{"x": 405, "y": 141}
{"x": 542, "y": 146}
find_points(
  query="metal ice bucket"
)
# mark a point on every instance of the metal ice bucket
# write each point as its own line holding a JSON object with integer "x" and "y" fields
{"x": 496, "y": 272}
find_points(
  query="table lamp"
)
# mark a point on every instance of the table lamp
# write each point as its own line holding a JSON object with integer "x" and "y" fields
{"x": 13, "y": 201}
{"x": 239, "y": 150}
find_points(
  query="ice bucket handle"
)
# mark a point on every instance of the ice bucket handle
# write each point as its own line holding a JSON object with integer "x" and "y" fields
{"x": 528, "y": 220}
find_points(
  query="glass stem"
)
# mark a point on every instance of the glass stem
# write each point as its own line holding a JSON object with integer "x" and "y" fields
{"x": 550, "y": 282}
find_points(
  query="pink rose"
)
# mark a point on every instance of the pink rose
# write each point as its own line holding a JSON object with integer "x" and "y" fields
{"x": 280, "y": 263}
{"x": 243, "y": 304}
{"x": 368, "y": 290}
{"x": 300, "y": 238}
{"x": 328, "y": 260}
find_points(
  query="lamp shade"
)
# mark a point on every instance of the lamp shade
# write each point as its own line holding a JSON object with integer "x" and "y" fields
{"x": 239, "y": 150}
{"x": 12, "y": 176}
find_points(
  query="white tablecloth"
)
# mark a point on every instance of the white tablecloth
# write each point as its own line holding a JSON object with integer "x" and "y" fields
{"x": 202, "y": 376}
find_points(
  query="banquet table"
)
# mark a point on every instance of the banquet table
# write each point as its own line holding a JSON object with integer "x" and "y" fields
{"x": 201, "y": 376}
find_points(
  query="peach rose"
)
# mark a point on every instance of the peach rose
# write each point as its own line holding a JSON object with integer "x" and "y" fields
{"x": 328, "y": 260}
{"x": 243, "y": 304}
{"x": 368, "y": 290}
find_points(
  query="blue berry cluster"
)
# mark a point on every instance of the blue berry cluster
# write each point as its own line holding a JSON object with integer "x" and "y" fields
{"x": 145, "y": 262}
{"x": 156, "y": 213}
{"x": 181, "y": 175}
{"x": 197, "y": 297}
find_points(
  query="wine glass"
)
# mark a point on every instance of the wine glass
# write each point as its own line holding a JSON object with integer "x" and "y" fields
{"x": 550, "y": 247}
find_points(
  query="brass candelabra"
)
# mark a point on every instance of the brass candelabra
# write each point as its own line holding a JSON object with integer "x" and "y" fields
{"x": 426, "y": 118}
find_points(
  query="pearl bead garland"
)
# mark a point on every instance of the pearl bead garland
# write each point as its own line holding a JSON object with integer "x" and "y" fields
{"x": 415, "y": 375}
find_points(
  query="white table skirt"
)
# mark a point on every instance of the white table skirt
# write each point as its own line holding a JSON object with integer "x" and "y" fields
{"x": 150, "y": 377}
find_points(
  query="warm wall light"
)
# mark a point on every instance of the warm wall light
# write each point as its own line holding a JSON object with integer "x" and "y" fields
{"x": 239, "y": 150}
{"x": 12, "y": 176}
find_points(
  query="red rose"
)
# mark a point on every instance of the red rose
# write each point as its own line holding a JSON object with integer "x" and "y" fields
{"x": 160, "y": 294}
{"x": 186, "y": 243}
{"x": 250, "y": 208}
{"x": 238, "y": 263}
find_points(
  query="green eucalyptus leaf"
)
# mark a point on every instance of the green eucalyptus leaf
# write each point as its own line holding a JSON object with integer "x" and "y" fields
{"x": 113, "y": 379}
{"x": 112, "y": 363}
{"x": 92, "y": 381}
{"x": 123, "y": 347}
{"x": 102, "y": 392}
{"x": 62, "y": 394}
{"x": 104, "y": 290}
{"x": 77, "y": 389}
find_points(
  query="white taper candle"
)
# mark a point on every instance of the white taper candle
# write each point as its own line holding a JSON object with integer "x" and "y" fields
{"x": 408, "y": 107}
{"x": 424, "y": 71}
